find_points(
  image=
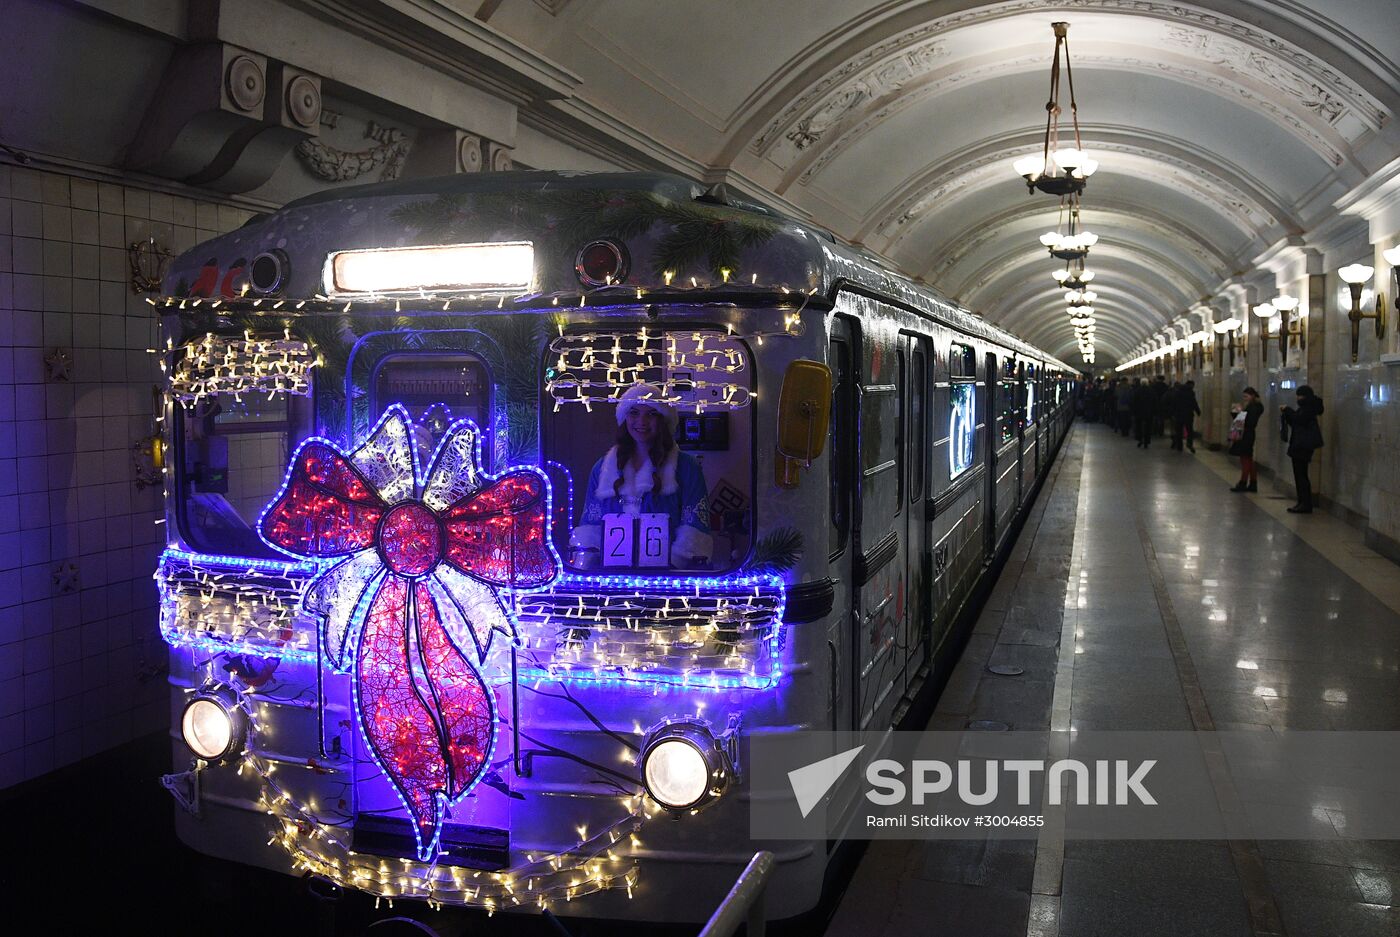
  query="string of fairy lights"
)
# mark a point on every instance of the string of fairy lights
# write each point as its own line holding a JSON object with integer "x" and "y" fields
{"x": 318, "y": 845}
{"x": 704, "y": 633}
{"x": 237, "y": 365}
{"x": 597, "y": 367}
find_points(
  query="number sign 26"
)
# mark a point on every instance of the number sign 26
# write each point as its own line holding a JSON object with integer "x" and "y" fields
{"x": 636, "y": 540}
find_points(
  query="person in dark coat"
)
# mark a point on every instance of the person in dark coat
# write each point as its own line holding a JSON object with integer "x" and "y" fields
{"x": 1304, "y": 435}
{"x": 1160, "y": 389}
{"x": 1185, "y": 408}
{"x": 1144, "y": 405}
{"x": 1242, "y": 433}
{"x": 1124, "y": 403}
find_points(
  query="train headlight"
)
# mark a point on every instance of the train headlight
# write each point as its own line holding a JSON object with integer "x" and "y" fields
{"x": 214, "y": 726}
{"x": 684, "y": 767}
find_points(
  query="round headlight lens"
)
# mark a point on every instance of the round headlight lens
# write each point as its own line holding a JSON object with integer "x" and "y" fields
{"x": 677, "y": 774}
{"x": 213, "y": 725}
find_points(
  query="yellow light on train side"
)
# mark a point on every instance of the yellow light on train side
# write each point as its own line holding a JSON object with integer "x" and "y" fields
{"x": 504, "y": 266}
{"x": 804, "y": 410}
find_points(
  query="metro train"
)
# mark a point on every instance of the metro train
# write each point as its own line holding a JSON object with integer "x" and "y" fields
{"x": 441, "y": 629}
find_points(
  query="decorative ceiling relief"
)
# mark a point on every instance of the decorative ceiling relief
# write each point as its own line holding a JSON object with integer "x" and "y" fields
{"x": 387, "y": 155}
{"x": 836, "y": 144}
{"x": 865, "y": 78}
{"x": 1303, "y": 86}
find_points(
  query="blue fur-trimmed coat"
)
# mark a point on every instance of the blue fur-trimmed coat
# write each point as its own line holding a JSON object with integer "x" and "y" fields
{"x": 684, "y": 497}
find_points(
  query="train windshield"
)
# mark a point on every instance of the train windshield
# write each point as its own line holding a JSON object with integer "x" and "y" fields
{"x": 232, "y": 459}
{"x": 650, "y": 434}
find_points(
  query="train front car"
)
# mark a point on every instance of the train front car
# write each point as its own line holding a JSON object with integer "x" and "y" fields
{"x": 433, "y": 634}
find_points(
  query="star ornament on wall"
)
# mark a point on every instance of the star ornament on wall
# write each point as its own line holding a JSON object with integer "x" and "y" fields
{"x": 408, "y": 595}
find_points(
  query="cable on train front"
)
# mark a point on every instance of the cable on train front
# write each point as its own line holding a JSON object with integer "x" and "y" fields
{"x": 431, "y": 636}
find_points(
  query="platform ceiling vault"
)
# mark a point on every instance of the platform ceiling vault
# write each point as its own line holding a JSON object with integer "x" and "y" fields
{"x": 1223, "y": 128}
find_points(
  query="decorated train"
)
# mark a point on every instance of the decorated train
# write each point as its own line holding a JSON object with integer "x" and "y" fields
{"x": 505, "y": 509}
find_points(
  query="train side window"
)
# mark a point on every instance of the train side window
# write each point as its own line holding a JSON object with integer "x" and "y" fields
{"x": 962, "y": 426}
{"x": 1030, "y": 393}
{"x": 962, "y": 361}
{"x": 917, "y": 423}
{"x": 840, "y": 444}
{"x": 955, "y": 416}
{"x": 1008, "y": 408}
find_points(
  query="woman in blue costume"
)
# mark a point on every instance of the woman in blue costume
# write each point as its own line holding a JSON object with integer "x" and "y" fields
{"x": 645, "y": 472}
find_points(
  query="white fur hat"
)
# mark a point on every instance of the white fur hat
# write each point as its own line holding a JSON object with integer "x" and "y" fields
{"x": 642, "y": 394}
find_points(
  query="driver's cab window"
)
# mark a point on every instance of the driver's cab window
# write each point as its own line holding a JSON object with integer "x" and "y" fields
{"x": 650, "y": 435}
{"x": 231, "y": 460}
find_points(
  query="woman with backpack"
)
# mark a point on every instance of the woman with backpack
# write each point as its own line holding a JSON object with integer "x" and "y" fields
{"x": 1242, "y": 431}
{"x": 1304, "y": 435}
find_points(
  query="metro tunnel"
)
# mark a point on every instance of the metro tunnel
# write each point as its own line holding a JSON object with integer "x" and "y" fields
{"x": 582, "y": 466}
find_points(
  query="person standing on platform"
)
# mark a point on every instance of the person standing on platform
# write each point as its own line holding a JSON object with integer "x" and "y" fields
{"x": 1304, "y": 435}
{"x": 1168, "y": 404}
{"x": 1144, "y": 408}
{"x": 1159, "y": 389}
{"x": 1185, "y": 408}
{"x": 1124, "y": 403}
{"x": 1242, "y": 432}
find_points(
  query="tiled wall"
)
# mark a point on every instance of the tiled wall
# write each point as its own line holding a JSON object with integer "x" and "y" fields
{"x": 80, "y": 654}
{"x": 257, "y": 463}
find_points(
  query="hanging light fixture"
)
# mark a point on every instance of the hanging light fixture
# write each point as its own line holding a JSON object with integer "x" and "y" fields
{"x": 1078, "y": 298}
{"x": 1074, "y": 276}
{"x": 1073, "y": 243}
{"x": 1058, "y": 170}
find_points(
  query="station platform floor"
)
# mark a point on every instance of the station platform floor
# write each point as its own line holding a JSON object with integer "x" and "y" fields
{"x": 1143, "y": 595}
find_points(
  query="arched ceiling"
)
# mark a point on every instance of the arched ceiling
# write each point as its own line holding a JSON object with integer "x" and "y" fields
{"x": 1223, "y": 128}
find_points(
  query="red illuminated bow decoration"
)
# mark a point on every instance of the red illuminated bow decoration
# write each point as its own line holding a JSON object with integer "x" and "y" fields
{"x": 416, "y": 564}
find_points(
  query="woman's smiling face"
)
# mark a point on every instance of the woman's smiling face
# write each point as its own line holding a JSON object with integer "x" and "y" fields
{"x": 643, "y": 423}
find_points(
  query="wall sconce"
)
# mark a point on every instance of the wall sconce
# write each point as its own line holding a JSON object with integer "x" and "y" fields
{"x": 1225, "y": 332}
{"x": 1284, "y": 305}
{"x": 1198, "y": 348}
{"x": 1262, "y": 314}
{"x": 149, "y": 261}
{"x": 1355, "y": 276}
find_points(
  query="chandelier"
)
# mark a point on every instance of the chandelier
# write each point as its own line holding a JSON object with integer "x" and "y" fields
{"x": 1074, "y": 276}
{"x": 1058, "y": 170}
{"x": 1073, "y": 243}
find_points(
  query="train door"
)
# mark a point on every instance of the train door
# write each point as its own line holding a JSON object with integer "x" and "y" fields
{"x": 842, "y": 488}
{"x": 880, "y": 565}
{"x": 989, "y": 397}
{"x": 917, "y": 420}
{"x": 1021, "y": 417}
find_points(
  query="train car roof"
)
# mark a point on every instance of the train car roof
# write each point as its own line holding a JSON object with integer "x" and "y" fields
{"x": 833, "y": 262}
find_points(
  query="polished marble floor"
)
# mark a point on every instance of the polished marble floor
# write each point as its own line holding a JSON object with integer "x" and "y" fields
{"x": 1143, "y": 595}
